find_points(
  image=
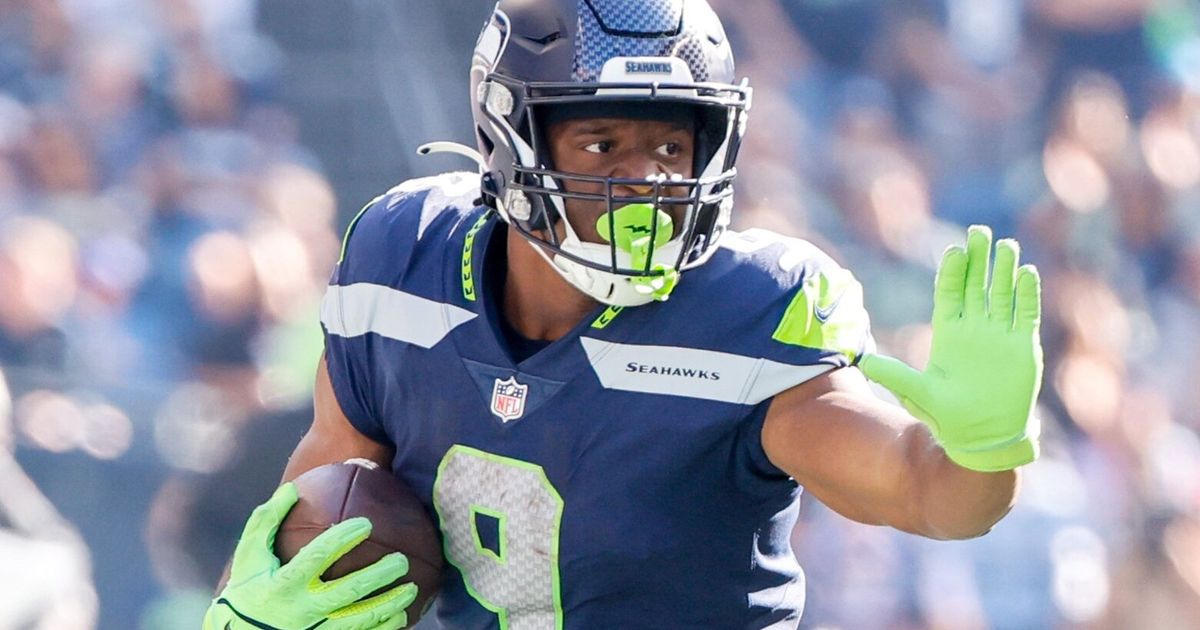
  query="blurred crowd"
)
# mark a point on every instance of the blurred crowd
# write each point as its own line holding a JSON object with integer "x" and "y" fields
{"x": 164, "y": 241}
{"x": 165, "y": 238}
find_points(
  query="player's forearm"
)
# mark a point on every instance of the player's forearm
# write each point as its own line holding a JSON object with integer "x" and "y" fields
{"x": 952, "y": 502}
{"x": 870, "y": 461}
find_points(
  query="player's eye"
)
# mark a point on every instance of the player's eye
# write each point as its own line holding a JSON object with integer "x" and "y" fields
{"x": 604, "y": 146}
{"x": 670, "y": 149}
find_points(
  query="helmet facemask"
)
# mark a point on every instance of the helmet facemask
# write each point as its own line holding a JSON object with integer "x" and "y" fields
{"x": 621, "y": 240}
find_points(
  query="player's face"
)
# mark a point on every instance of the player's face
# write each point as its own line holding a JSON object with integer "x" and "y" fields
{"x": 620, "y": 148}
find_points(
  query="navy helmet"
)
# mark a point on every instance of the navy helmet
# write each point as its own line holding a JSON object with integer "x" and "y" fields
{"x": 536, "y": 58}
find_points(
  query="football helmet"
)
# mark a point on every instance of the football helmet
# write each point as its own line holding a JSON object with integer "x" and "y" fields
{"x": 536, "y": 59}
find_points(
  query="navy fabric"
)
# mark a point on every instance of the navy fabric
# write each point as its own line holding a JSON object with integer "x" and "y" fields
{"x": 672, "y": 516}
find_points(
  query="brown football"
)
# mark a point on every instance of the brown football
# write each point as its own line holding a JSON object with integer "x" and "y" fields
{"x": 333, "y": 493}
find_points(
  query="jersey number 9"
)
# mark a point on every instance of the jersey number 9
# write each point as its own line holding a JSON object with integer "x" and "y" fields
{"x": 519, "y": 579}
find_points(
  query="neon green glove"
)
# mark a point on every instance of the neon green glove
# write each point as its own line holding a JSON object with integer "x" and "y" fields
{"x": 985, "y": 365}
{"x": 263, "y": 594}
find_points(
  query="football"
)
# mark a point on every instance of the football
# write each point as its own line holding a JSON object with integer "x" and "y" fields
{"x": 333, "y": 493}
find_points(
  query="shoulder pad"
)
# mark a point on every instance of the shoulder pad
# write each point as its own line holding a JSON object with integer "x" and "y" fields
{"x": 380, "y": 241}
{"x": 825, "y": 302}
{"x": 448, "y": 193}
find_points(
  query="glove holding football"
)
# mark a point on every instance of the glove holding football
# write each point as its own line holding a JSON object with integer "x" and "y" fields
{"x": 263, "y": 593}
{"x": 985, "y": 365}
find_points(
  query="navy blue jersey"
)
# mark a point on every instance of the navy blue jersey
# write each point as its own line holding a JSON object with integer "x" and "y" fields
{"x": 616, "y": 477}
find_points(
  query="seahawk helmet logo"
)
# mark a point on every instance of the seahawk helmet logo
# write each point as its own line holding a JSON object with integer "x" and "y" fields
{"x": 508, "y": 399}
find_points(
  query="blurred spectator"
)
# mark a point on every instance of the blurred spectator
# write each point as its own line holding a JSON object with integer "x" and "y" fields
{"x": 1101, "y": 35}
{"x": 37, "y": 280}
{"x": 967, "y": 80}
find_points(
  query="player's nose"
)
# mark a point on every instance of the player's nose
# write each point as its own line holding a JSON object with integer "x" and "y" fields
{"x": 641, "y": 168}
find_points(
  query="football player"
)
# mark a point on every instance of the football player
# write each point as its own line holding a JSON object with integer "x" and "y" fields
{"x": 609, "y": 402}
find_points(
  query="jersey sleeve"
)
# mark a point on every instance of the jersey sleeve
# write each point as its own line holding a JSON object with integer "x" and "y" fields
{"x": 383, "y": 245}
{"x": 345, "y": 360}
{"x": 825, "y": 313}
{"x": 755, "y": 471}
{"x": 375, "y": 251}
{"x": 811, "y": 320}
{"x": 809, "y": 311}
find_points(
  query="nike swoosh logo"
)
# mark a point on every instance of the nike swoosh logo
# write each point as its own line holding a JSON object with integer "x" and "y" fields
{"x": 823, "y": 314}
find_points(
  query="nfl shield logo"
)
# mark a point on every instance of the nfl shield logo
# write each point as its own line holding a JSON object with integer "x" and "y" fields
{"x": 508, "y": 399}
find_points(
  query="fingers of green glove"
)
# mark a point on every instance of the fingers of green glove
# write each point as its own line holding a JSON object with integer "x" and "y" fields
{"x": 979, "y": 253}
{"x": 346, "y": 590}
{"x": 256, "y": 549}
{"x": 1029, "y": 298}
{"x": 395, "y": 623}
{"x": 385, "y": 608}
{"x": 391, "y": 623}
{"x": 322, "y": 551}
{"x": 897, "y": 376}
{"x": 949, "y": 284}
{"x": 1004, "y": 278}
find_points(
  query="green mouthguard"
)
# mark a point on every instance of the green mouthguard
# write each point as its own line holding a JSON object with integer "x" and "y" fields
{"x": 633, "y": 225}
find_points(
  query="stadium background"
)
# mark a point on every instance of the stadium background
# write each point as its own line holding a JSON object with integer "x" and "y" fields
{"x": 174, "y": 175}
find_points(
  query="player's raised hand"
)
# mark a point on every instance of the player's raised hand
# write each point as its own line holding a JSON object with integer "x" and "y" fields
{"x": 262, "y": 593}
{"x": 985, "y": 367}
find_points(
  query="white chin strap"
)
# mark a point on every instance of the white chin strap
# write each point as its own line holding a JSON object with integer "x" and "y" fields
{"x": 613, "y": 288}
{"x": 605, "y": 286}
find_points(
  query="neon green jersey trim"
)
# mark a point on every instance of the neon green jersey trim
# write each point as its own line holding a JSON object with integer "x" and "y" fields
{"x": 607, "y": 317}
{"x": 468, "y": 274}
{"x": 350, "y": 228}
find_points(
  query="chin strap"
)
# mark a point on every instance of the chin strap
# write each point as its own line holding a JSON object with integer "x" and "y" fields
{"x": 634, "y": 225}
